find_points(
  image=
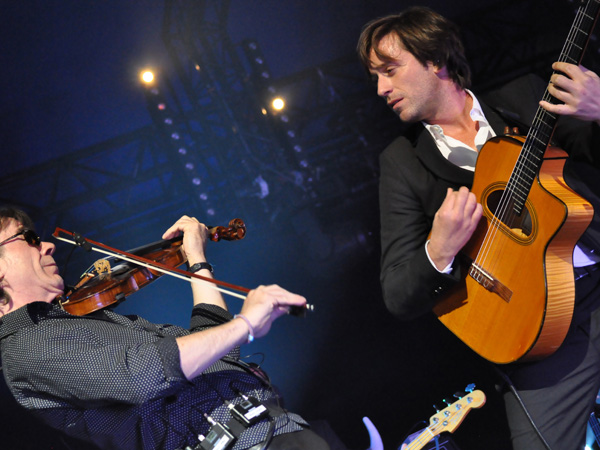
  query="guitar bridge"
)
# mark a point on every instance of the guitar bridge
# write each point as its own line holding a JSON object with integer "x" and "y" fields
{"x": 489, "y": 282}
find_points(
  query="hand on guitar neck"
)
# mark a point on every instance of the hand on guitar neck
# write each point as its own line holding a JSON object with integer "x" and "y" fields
{"x": 578, "y": 88}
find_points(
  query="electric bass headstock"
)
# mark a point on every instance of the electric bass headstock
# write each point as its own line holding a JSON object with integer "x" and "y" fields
{"x": 449, "y": 418}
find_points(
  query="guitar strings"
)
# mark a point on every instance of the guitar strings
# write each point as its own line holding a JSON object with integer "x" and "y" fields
{"x": 485, "y": 255}
{"x": 434, "y": 430}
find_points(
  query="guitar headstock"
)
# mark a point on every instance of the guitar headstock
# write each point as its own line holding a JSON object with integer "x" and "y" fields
{"x": 449, "y": 418}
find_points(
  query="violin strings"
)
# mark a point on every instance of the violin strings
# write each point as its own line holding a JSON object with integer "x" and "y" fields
{"x": 164, "y": 271}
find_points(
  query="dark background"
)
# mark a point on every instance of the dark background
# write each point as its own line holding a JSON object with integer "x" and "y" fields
{"x": 86, "y": 147}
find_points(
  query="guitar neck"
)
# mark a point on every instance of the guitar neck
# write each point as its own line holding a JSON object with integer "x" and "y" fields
{"x": 421, "y": 440}
{"x": 542, "y": 128}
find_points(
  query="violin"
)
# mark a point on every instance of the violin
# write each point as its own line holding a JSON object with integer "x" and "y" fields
{"x": 140, "y": 267}
{"x": 106, "y": 286}
{"x": 236, "y": 230}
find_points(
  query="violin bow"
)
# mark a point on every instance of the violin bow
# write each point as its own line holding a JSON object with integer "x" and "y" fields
{"x": 221, "y": 286}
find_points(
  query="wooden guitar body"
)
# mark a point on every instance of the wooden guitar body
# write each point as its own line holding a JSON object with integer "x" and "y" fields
{"x": 515, "y": 300}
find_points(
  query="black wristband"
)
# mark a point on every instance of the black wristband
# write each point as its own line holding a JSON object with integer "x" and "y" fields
{"x": 199, "y": 266}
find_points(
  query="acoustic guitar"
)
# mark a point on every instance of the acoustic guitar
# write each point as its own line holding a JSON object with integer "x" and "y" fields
{"x": 516, "y": 297}
{"x": 448, "y": 419}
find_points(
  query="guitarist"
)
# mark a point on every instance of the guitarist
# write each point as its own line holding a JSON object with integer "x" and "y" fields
{"x": 417, "y": 61}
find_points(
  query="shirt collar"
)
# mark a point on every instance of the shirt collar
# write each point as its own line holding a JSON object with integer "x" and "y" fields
{"x": 476, "y": 114}
{"x": 476, "y": 111}
{"x": 26, "y": 316}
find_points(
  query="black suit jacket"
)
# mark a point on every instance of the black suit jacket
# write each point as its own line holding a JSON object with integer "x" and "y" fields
{"x": 414, "y": 180}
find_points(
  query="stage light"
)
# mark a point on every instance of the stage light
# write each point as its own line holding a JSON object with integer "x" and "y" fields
{"x": 278, "y": 104}
{"x": 170, "y": 127}
{"x": 147, "y": 76}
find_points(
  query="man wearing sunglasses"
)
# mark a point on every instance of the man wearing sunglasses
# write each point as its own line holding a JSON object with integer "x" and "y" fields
{"x": 27, "y": 261}
{"x": 122, "y": 382}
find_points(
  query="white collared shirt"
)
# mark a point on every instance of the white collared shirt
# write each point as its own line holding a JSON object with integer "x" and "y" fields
{"x": 457, "y": 152}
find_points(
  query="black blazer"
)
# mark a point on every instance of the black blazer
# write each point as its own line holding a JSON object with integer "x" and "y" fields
{"x": 413, "y": 183}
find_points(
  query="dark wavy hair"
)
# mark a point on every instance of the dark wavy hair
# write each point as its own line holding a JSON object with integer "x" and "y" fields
{"x": 429, "y": 36}
{"x": 9, "y": 212}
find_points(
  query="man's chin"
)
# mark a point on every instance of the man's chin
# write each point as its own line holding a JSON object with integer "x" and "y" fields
{"x": 407, "y": 118}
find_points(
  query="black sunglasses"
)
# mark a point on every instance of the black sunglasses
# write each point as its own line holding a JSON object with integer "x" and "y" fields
{"x": 29, "y": 235}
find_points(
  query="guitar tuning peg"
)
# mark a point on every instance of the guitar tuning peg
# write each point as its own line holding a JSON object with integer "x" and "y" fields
{"x": 446, "y": 402}
{"x": 470, "y": 388}
{"x": 458, "y": 395}
{"x": 436, "y": 407}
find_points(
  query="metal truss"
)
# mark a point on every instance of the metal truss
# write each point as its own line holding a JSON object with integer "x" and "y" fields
{"x": 215, "y": 145}
{"x": 114, "y": 189}
{"x": 216, "y": 103}
{"x": 320, "y": 153}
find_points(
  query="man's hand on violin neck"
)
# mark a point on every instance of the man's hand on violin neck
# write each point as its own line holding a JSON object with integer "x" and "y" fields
{"x": 195, "y": 236}
{"x": 266, "y": 303}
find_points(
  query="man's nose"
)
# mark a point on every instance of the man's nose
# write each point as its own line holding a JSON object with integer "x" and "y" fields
{"x": 384, "y": 87}
{"x": 48, "y": 248}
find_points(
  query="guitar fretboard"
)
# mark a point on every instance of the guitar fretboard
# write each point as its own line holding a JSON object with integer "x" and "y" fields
{"x": 540, "y": 133}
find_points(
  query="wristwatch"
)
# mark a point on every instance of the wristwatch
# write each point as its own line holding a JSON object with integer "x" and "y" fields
{"x": 199, "y": 266}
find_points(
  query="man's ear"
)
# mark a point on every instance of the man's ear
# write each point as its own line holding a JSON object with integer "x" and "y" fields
{"x": 440, "y": 71}
{"x": 4, "y": 296}
{"x": 4, "y": 300}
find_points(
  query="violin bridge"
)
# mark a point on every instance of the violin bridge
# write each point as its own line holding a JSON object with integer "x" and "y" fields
{"x": 102, "y": 266}
{"x": 489, "y": 282}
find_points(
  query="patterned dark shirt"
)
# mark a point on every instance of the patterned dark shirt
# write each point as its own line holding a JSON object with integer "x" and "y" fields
{"x": 116, "y": 380}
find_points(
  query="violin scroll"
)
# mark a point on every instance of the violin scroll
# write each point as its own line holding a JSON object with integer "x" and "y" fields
{"x": 234, "y": 232}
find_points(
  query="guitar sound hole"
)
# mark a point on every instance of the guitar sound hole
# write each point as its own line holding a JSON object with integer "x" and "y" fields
{"x": 520, "y": 224}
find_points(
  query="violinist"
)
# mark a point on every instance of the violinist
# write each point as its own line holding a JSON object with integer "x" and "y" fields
{"x": 123, "y": 382}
